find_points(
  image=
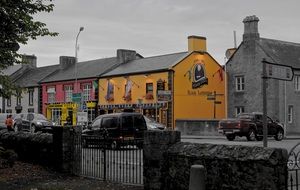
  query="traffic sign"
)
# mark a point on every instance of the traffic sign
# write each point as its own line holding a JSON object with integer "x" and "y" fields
{"x": 76, "y": 97}
{"x": 277, "y": 71}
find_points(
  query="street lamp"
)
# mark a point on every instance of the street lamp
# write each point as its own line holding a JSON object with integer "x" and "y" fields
{"x": 76, "y": 48}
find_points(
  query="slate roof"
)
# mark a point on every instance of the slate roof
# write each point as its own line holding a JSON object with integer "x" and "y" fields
{"x": 86, "y": 69}
{"x": 11, "y": 69}
{"x": 281, "y": 52}
{"x": 32, "y": 76}
{"x": 149, "y": 64}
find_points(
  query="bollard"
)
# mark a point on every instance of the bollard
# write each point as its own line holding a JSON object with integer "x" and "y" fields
{"x": 197, "y": 177}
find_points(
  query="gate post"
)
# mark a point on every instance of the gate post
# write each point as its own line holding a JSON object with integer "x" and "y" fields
{"x": 63, "y": 142}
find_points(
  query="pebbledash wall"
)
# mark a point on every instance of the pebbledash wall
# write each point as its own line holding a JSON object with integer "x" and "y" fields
{"x": 167, "y": 163}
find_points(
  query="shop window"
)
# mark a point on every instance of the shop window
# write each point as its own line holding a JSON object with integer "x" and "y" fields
{"x": 290, "y": 113}
{"x": 56, "y": 115}
{"x": 68, "y": 93}
{"x": 30, "y": 96}
{"x": 297, "y": 82}
{"x": 239, "y": 110}
{"x": 239, "y": 83}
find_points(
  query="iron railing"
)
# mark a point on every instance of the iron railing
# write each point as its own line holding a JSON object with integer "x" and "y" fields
{"x": 294, "y": 168}
{"x": 109, "y": 159}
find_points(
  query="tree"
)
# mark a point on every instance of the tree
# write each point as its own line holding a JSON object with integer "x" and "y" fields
{"x": 17, "y": 26}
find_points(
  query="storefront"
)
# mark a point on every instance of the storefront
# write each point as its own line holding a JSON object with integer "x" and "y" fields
{"x": 58, "y": 112}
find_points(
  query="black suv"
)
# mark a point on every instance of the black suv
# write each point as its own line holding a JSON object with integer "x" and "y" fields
{"x": 116, "y": 130}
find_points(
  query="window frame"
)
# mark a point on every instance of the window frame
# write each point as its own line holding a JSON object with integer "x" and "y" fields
{"x": 290, "y": 113}
{"x": 240, "y": 83}
{"x": 148, "y": 88}
{"x": 51, "y": 96}
{"x": 238, "y": 110}
{"x": 8, "y": 102}
{"x": 68, "y": 90}
{"x": 30, "y": 96}
{"x": 297, "y": 83}
{"x": 86, "y": 92}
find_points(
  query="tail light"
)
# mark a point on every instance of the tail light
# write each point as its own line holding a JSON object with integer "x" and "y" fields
{"x": 239, "y": 125}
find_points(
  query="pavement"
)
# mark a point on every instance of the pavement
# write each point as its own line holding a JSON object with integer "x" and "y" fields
{"x": 288, "y": 137}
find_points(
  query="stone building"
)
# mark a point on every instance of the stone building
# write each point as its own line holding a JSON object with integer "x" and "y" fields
{"x": 244, "y": 77}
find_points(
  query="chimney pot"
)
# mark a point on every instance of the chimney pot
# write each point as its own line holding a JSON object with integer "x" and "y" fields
{"x": 66, "y": 61}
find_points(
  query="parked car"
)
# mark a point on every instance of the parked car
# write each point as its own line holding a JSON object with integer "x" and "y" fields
{"x": 32, "y": 122}
{"x": 251, "y": 126}
{"x": 153, "y": 125}
{"x": 116, "y": 130}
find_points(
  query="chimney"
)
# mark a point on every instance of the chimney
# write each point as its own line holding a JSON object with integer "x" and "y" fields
{"x": 250, "y": 28}
{"x": 196, "y": 43}
{"x": 124, "y": 55}
{"x": 66, "y": 61}
{"x": 29, "y": 60}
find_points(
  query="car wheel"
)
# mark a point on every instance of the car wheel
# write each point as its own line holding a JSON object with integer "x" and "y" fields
{"x": 251, "y": 135}
{"x": 279, "y": 135}
{"x": 230, "y": 137}
{"x": 32, "y": 128}
{"x": 259, "y": 138}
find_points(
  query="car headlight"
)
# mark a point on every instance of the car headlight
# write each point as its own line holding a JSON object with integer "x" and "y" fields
{"x": 39, "y": 123}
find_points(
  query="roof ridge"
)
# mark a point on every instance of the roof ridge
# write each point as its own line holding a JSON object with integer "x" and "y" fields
{"x": 286, "y": 42}
{"x": 160, "y": 55}
{"x": 92, "y": 60}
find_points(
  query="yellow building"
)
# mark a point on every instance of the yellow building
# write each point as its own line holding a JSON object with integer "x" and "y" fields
{"x": 186, "y": 85}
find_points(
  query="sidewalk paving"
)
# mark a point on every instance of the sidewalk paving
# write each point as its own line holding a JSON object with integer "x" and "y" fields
{"x": 289, "y": 137}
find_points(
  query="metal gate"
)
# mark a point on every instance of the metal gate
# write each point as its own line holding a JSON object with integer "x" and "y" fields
{"x": 107, "y": 159}
{"x": 294, "y": 168}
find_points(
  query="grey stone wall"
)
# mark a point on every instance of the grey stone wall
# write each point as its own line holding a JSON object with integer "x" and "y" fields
{"x": 197, "y": 127}
{"x": 156, "y": 144}
{"x": 167, "y": 163}
{"x": 227, "y": 167}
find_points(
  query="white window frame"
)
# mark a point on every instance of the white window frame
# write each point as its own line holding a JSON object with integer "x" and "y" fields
{"x": 68, "y": 93}
{"x": 30, "y": 96}
{"x": 239, "y": 109}
{"x": 290, "y": 113}
{"x": 86, "y": 91}
{"x": 51, "y": 94}
{"x": 297, "y": 82}
{"x": 19, "y": 101}
{"x": 239, "y": 83}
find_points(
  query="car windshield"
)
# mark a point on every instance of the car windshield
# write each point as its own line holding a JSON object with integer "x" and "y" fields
{"x": 149, "y": 120}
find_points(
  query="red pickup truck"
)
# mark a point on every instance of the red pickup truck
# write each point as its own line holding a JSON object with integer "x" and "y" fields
{"x": 251, "y": 126}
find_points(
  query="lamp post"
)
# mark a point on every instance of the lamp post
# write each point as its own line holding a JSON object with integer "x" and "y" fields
{"x": 76, "y": 48}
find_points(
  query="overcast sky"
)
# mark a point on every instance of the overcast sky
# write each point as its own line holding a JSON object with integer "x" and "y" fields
{"x": 157, "y": 27}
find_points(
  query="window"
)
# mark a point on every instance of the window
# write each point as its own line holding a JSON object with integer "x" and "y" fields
{"x": 86, "y": 92}
{"x": 109, "y": 123}
{"x": 139, "y": 122}
{"x": 30, "y": 110}
{"x": 18, "y": 99}
{"x": 96, "y": 123}
{"x": 56, "y": 115}
{"x": 51, "y": 94}
{"x": 239, "y": 83}
{"x": 68, "y": 93}
{"x": 297, "y": 82}
{"x": 239, "y": 110}
{"x": 30, "y": 96}
{"x": 290, "y": 113}
{"x": 127, "y": 123}
{"x": 149, "y": 88}
{"x": 8, "y": 101}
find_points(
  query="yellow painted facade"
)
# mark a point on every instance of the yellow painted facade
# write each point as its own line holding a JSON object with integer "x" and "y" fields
{"x": 196, "y": 85}
{"x": 192, "y": 103}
